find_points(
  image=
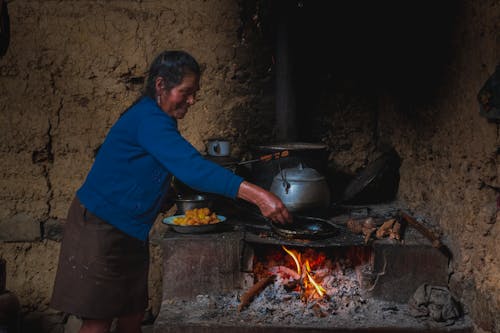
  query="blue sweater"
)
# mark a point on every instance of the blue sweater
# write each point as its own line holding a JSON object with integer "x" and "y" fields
{"x": 131, "y": 174}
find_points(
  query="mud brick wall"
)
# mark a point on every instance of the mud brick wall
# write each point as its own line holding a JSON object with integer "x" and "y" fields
{"x": 73, "y": 66}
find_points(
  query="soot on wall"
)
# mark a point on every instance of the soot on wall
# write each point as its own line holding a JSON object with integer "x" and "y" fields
{"x": 398, "y": 49}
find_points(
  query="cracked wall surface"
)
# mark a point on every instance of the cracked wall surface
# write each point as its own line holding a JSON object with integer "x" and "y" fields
{"x": 73, "y": 66}
{"x": 71, "y": 69}
{"x": 448, "y": 150}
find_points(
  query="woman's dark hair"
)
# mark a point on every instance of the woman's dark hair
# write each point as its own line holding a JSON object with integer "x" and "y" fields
{"x": 172, "y": 66}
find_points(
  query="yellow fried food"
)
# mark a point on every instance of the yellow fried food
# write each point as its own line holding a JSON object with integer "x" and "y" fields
{"x": 197, "y": 216}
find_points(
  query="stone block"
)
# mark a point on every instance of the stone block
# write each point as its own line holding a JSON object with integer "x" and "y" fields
{"x": 72, "y": 325}
{"x": 400, "y": 269}
{"x": 19, "y": 228}
{"x": 43, "y": 322}
{"x": 53, "y": 229}
{"x": 201, "y": 264}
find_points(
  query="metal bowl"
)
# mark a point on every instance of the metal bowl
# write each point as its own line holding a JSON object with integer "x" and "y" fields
{"x": 189, "y": 202}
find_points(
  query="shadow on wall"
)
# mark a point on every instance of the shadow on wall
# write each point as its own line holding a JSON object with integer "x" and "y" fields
{"x": 389, "y": 48}
{"x": 398, "y": 48}
{"x": 4, "y": 28}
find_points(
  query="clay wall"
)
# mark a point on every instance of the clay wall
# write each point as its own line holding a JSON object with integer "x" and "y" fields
{"x": 73, "y": 66}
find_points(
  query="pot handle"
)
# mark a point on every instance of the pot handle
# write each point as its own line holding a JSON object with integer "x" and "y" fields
{"x": 216, "y": 148}
{"x": 285, "y": 183}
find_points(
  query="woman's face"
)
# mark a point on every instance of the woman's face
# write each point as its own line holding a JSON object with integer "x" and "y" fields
{"x": 175, "y": 102}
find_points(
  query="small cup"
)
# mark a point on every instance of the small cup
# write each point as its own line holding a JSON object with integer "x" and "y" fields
{"x": 218, "y": 147}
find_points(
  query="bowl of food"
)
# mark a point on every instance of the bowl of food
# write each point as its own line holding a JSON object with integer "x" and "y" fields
{"x": 189, "y": 202}
{"x": 197, "y": 220}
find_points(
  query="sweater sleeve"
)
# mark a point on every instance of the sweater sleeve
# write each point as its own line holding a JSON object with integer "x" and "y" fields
{"x": 159, "y": 136}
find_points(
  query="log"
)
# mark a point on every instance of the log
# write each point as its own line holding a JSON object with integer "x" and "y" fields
{"x": 396, "y": 231}
{"x": 250, "y": 294}
{"x": 368, "y": 233}
{"x": 291, "y": 285}
{"x": 385, "y": 229}
{"x": 436, "y": 242}
{"x": 354, "y": 226}
{"x": 283, "y": 270}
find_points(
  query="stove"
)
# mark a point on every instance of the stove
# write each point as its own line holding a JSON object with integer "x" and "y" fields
{"x": 249, "y": 279}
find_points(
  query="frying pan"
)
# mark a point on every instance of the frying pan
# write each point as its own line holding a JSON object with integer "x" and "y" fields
{"x": 304, "y": 227}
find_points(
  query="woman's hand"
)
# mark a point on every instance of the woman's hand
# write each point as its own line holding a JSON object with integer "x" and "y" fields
{"x": 269, "y": 204}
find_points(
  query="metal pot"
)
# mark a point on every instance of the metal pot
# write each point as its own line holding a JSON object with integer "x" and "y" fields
{"x": 312, "y": 155}
{"x": 189, "y": 202}
{"x": 301, "y": 189}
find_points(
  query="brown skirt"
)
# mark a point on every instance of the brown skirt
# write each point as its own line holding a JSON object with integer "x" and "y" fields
{"x": 102, "y": 272}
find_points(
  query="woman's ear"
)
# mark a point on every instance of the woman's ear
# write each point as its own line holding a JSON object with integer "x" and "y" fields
{"x": 159, "y": 85}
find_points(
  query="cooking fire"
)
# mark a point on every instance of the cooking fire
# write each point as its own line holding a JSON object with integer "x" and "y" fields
{"x": 292, "y": 285}
{"x": 316, "y": 282}
{"x": 246, "y": 286}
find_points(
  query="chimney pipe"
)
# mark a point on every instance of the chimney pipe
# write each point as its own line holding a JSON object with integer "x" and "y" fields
{"x": 285, "y": 101}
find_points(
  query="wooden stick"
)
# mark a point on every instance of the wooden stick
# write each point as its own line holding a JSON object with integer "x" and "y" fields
{"x": 250, "y": 294}
{"x": 396, "y": 231}
{"x": 291, "y": 285}
{"x": 422, "y": 229}
{"x": 368, "y": 233}
{"x": 385, "y": 229}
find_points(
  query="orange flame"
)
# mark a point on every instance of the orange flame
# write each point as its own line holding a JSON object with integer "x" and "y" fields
{"x": 321, "y": 291}
{"x": 307, "y": 271}
{"x": 295, "y": 258}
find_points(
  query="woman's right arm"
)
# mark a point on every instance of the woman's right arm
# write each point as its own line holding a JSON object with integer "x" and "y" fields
{"x": 269, "y": 204}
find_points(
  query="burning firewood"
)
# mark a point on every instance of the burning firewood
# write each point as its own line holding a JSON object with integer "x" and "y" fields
{"x": 321, "y": 273}
{"x": 282, "y": 270}
{"x": 250, "y": 294}
{"x": 292, "y": 285}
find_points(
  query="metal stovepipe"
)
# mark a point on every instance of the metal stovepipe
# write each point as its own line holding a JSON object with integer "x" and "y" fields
{"x": 285, "y": 100}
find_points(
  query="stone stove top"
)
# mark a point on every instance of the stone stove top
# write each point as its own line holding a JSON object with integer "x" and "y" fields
{"x": 206, "y": 274}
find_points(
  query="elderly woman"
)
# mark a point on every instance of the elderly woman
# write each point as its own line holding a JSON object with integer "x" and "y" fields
{"x": 104, "y": 259}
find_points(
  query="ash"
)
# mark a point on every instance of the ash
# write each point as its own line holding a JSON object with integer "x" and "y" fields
{"x": 343, "y": 295}
{"x": 344, "y": 306}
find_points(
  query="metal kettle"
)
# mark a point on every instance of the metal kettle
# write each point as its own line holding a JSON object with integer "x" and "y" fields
{"x": 301, "y": 188}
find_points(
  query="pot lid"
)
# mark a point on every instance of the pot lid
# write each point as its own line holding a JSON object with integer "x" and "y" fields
{"x": 299, "y": 173}
{"x": 378, "y": 182}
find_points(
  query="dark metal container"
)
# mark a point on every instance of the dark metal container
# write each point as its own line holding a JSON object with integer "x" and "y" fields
{"x": 189, "y": 202}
